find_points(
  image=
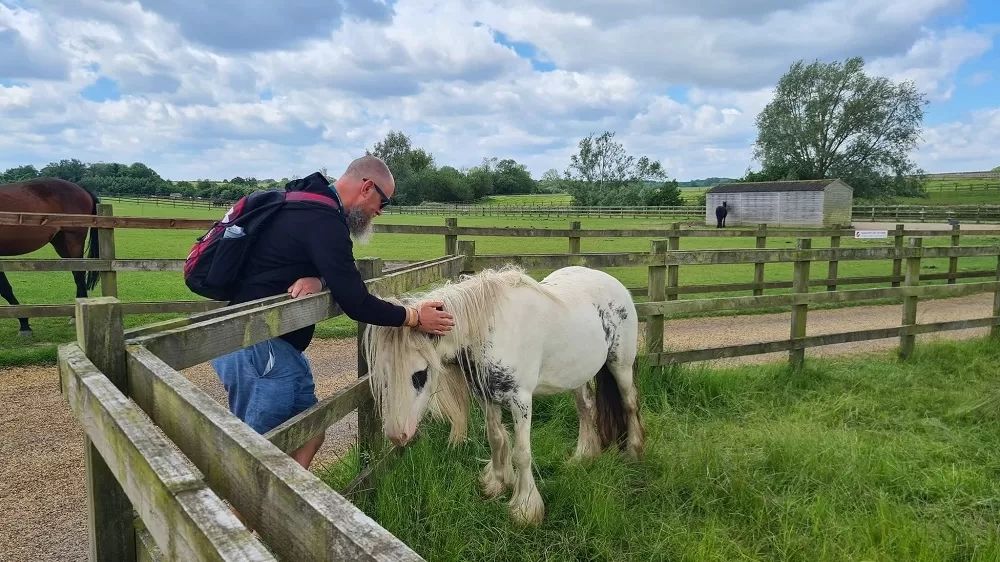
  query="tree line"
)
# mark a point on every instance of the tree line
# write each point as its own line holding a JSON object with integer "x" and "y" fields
{"x": 601, "y": 173}
{"x": 826, "y": 120}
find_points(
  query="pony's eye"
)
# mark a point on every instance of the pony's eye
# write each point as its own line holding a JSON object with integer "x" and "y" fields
{"x": 419, "y": 379}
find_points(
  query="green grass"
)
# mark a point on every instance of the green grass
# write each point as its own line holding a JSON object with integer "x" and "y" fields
{"x": 861, "y": 459}
{"x": 57, "y": 287}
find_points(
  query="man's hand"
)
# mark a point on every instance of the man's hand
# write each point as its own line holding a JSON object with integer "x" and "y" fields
{"x": 305, "y": 286}
{"x": 434, "y": 319}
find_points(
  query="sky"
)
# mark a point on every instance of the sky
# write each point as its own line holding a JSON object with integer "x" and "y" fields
{"x": 273, "y": 89}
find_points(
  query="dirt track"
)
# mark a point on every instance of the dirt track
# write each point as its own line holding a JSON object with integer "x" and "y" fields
{"x": 42, "y": 490}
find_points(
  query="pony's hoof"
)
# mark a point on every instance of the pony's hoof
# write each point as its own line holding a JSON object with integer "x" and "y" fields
{"x": 528, "y": 511}
{"x": 492, "y": 486}
{"x": 26, "y": 333}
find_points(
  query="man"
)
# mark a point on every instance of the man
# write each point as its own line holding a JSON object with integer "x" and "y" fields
{"x": 308, "y": 249}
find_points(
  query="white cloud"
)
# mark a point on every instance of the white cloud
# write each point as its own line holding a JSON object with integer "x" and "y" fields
{"x": 339, "y": 75}
{"x": 970, "y": 144}
{"x": 932, "y": 61}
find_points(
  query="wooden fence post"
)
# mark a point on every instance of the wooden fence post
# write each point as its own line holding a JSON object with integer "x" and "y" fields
{"x": 673, "y": 271}
{"x": 574, "y": 241}
{"x": 100, "y": 332}
{"x": 657, "y": 292}
{"x": 953, "y": 262}
{"x": 758, "y": 267}
{"x": 897, "y": 264}
{"x": 106, "y": 242}
{"x": 800, "y": 284}
{"x": 369, "y": 420}
{"x": 467, "y": 248}
{"x": 451, "y": 240}
{"x": 906, "y": 338}
{"x": 832, "y": 268}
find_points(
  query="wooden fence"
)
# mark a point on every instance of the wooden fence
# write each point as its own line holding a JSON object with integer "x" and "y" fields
{"x": 978, "y": 214}
{"x": 162, "y": 455}
{"x": 109, "y": 265}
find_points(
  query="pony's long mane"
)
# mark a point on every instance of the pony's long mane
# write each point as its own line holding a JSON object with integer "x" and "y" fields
{"x": 474, "y": 301}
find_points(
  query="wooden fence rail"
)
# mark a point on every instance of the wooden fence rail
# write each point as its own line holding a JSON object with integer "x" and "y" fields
{"x": 979, "y": 214}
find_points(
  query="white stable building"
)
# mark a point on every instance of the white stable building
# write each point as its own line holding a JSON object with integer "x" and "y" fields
{"x": 820, "y": 203}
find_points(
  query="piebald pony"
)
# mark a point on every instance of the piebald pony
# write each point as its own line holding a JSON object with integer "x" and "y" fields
{"x": 515, "y": 338}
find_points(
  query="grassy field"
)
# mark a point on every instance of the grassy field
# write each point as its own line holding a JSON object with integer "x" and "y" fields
{"x": 57, "y": 287}
{"x": 862, "y": 459}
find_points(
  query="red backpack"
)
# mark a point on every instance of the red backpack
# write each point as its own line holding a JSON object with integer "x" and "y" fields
{"x": 214, "y": 265}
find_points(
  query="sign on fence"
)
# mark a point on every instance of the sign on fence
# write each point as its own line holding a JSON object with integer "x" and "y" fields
{"x": 871, "y": 233}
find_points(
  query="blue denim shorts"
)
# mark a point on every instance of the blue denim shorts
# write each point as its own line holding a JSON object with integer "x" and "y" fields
{"x": 267, "y": 383}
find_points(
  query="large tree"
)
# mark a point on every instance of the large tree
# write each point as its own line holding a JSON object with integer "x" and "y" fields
{"x": 602, "y": 172}
{"x": 832, "y": 120}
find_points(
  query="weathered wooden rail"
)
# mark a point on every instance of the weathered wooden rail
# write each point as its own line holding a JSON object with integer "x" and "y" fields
{"x": 108, "y": 265}
{"x": 979, "y": 214}
{"x": 162, "y": 456}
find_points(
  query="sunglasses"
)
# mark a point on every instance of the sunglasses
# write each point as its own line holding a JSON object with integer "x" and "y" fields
{"x": 381, "y": 194}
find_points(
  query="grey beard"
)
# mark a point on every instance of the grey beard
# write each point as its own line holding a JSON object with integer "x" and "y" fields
{"x": 360, "y": 226}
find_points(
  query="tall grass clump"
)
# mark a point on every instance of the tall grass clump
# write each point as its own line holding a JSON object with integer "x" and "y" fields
{"x": 865, "y": 458}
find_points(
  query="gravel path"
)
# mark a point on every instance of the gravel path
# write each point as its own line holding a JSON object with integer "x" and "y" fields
{"x": 42, "y": 490}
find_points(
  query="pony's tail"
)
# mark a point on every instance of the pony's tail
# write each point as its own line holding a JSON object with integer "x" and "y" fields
{"x": 93, "y": 247}
{"x": 611, "y": 422}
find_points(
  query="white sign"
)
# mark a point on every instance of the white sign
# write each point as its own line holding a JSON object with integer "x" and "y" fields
{"x": 871, "y": 233}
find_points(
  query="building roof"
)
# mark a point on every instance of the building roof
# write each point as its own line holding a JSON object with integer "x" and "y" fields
{"x": 764, "y": 186}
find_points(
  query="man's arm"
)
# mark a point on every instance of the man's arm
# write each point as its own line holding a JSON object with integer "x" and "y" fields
{"x": 331, "y": 251}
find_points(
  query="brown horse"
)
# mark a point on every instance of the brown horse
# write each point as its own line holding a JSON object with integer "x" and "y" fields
{"x": 51, "y": 196}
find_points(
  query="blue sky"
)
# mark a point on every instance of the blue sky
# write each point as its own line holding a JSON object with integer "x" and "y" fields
{"x": 187, "y": 89}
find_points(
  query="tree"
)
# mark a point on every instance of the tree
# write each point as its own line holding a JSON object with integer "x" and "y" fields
{"x": 404, "y": 161}
{"x": 508, "y": 177}
{"x": 833, "y": 120}
{"x": 19, "y": 173}
{"x": 70, "y": 170}
{"x": 603, "y": 173}
{"x": 667, "y": 195}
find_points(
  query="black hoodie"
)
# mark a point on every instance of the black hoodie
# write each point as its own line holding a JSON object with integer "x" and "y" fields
{"x": 313, "y": 242}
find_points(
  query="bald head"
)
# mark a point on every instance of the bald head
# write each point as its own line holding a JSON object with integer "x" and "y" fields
{"x": 373, "y": 168}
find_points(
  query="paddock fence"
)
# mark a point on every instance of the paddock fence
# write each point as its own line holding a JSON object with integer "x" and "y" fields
{"x": 109, "y": 265}
{"x": 163, "y": 457}
{"x": 977, "y": 214}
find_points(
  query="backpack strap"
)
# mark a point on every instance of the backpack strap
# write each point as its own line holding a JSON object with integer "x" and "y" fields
{"x": 305, "y": 196}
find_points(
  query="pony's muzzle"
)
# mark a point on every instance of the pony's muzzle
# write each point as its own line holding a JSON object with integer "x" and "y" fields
{"x": 399, "y": 439}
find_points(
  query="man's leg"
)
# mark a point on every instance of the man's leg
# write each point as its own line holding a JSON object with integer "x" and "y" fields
{"x": 305, "y": 398}
{"x": 237, "y": 372}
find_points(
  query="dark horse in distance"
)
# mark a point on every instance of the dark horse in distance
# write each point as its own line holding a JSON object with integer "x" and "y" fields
{"x": 49, "y": 196}
{"x": 720, "y": 215}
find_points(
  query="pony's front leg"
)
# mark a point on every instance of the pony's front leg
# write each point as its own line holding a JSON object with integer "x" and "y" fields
{"x": 498, "y": 473}
{"x": 526, "y": 504}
